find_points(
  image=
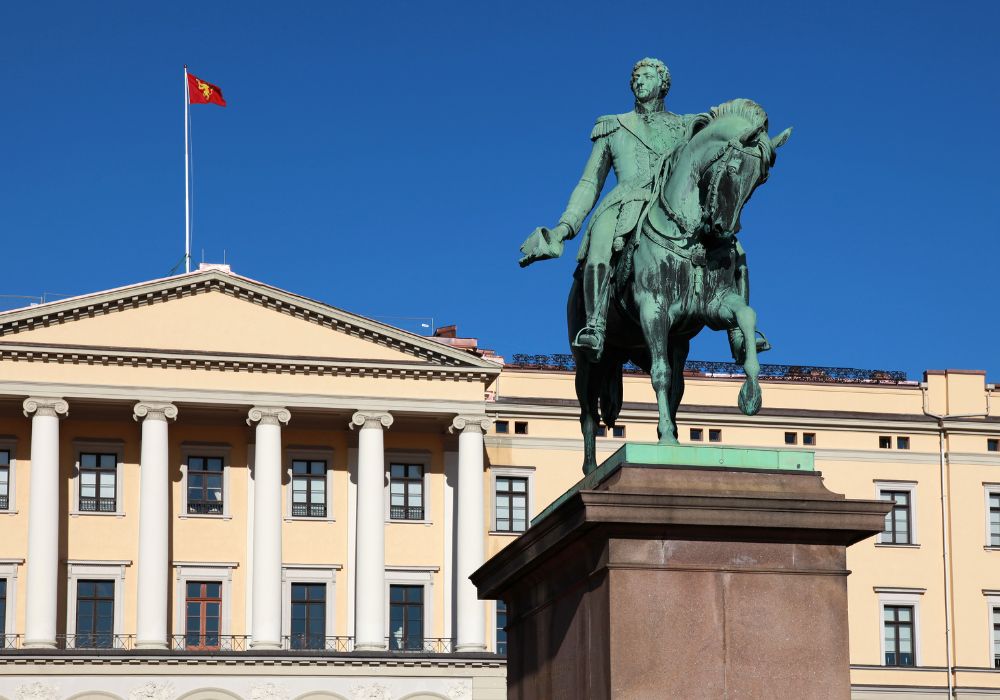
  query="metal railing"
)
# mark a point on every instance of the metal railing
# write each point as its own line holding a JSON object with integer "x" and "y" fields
{"x": 792, "y": 373}
{"x": 308, "y": 510}
{"x": 4, "y": 502}
{"x": 209, "y": 642}
{"x": 95, "y": 640}
{"x": 316, "y": 642}
{"x": 205, "y": 507}
{"x": 406, "y": 513}
{"x": 10, "y": 641}
{"x": 420, "y": 644}
{"x": 97, "y": 505}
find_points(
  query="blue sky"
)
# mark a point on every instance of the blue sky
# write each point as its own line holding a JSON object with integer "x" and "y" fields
{"x": 389, "y": 158}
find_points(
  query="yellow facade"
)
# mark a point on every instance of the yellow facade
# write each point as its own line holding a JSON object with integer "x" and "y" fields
{"x": 215, "y": 345}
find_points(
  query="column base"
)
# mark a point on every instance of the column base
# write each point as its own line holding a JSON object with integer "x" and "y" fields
{"x": 151, "y": 645}
{"x": 365, "y": 646}
{"x": 470, "y": 647}
{"x": 265, "y": 646}
{"x": 39, "y": 644}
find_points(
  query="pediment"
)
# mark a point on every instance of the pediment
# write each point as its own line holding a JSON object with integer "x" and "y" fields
{"x": 216, "y": 314}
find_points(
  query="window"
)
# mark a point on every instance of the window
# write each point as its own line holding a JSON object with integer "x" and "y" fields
{"x": 98, "y": 482}
{"x": 3, "y": 612}
{"x": 186, "y": 573}
{"x": 697, "y": 435}
{"x": 406, "y": 618}
{"x": 5, "y": 503}
{"x": 204, "y": 485}
{"x": 993, "y": 517}
{"x": 884, "y": 442}
{"x": 993, "y": 445}
{"x": 618, "y": 431}
{"x": 791, "y": 438}
{"x": 308, "y": 488}
{"x": 406, "y": 491}
{"x": 308, "y": 630}
{"x": 520, "y": 427}
{"x": 996, "y": 635}
{"x": 202, "y": 614}
{"x": 809, "y": 439}
{"x": 714, "y": 435}
{"x": 511, "y": 504}
{"x": 502, "y": 427}
{"x": 897, "y": 529}
{"x": 902, "y": 443}
{"x": 501, "y": 646}
{"x": 601, "y": 431}
{"x": 95, "y": 614}
{"x": 897, "y": 622}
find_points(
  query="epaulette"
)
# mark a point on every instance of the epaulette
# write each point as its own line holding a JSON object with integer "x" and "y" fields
{"x": 605, "y": 126}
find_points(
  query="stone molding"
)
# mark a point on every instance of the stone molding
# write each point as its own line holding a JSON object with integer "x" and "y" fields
{"x": 268, "y": 415}
{"x": 45, "y": 406}
{"x": 470, "y": 424}
{"x": 153, "y": 690}
{"x": 154, "y": 410}
{"x": 37, "y": 691}
{"x": 371, "y": 419}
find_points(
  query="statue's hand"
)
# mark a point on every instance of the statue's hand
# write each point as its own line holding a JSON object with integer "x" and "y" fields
{"x": 543, "y": 244}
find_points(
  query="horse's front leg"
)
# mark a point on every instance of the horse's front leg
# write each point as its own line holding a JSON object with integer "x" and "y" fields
{"x": 586, "y": 395}
{"x": 656, "y": 324}
{"x": 742, "y": 316}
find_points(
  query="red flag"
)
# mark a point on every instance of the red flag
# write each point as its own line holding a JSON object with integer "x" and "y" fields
{"x": 202, "y": 93}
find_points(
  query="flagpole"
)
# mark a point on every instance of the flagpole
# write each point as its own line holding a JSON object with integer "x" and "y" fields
{"x": 187, "y": 177}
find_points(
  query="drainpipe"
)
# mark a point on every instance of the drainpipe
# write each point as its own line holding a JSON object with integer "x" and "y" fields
{"x": 946, "y": 520}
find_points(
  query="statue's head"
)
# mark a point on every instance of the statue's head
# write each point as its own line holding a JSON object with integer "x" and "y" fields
{"x": 650, "y": 80}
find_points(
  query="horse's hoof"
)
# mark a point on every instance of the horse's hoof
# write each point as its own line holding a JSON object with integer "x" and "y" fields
{"x": 750, "y": 397}
{"x": 589, "y": 466}
{"x": 668, "y": 440}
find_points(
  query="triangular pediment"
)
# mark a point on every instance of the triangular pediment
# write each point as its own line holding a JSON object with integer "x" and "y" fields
{"x": 218, "y": 314}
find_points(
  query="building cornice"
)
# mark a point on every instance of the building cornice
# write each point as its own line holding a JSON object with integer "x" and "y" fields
{"x": 158, "y": 291}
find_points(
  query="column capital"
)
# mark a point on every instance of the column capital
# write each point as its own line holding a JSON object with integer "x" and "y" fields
{"x": 371, "y": 419}
{"x": 154, "y": 410}
{"x": 45, "y": 406}
{"x": 470, "y": 424}
{"x": 268, "y": 415}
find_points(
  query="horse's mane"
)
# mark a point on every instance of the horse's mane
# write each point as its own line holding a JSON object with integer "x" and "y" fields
{"x": 743, "y": 108}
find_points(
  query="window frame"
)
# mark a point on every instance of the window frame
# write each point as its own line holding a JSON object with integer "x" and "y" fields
{"x": 293, "y": 454}
{"x": 520, "y": 427}
{"x": 791, "y": 438}
{"x": 992, "y": 603}
{"x": 892, "y": 596}
{"x": 506, "y": 427}
{"x": 517, "y": 473}
{"x": 911, "y": 488}
{"x": 989, "y": 489}
{"x": 418, "y": 458}
{"x": 214, "y": 449}
{"x": 314, "y": 574}
{"x": 412, "y": 576}
{"x": 10, "y": 445}
{"x": 496, "y": 626}
{"x": 205, "y": 599}
{"x": 8, "y": 572}
{"x": 809, "y": 439}
{"x": 897, "y": 625}
{"x": 718, "y": 435}
{"x": 993, "y": 442}
{"x": 88, "y": 569}
{"x": 691, "y": 435}
{"x": 187, "y": 571}
{"x": 115, "y": 447}
{"x": 100, "y": 475}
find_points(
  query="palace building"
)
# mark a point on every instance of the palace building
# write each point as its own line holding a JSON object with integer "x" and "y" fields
{"x": 211, "y": 488}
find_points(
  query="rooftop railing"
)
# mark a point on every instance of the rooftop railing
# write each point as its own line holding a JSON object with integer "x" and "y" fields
{"x": 788, "y": 373}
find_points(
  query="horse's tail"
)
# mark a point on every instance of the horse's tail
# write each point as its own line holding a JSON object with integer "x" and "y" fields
{"x": 611, "y": 389}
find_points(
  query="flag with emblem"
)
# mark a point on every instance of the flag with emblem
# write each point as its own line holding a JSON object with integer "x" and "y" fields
{"x": 202, "y": 93}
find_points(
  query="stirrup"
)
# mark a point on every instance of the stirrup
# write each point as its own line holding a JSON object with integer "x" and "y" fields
{"x": 590, "y": 341}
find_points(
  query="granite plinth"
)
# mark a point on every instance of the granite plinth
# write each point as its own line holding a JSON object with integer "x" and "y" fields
{"x": 671, "y": 581}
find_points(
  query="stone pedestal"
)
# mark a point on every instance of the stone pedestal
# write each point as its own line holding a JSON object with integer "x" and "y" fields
{"x": 662, "y": 580}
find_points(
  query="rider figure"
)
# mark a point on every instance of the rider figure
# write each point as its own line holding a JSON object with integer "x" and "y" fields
{"x": 633, "y": 144}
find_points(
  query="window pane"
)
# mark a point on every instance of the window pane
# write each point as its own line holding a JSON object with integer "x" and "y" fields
{"x": 397, "y": 470}
{"x": 109, "y": 461}
{"x": 88, "y": 460}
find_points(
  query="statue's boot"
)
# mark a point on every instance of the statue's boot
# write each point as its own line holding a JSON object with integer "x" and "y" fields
{"x": 596, "y": 283}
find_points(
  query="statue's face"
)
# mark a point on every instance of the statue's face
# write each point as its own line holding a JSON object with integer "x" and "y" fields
{"x": 646, "y": 84}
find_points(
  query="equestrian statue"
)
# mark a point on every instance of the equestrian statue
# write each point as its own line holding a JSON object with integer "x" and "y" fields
{"x": 659, "y": 259}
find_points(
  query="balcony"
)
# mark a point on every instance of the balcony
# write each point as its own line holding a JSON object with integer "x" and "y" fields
{"x": 184, "y": 644}
{"x": 97, "y": 505}
{"x": 308, "y": 510}
{"x": 406, "y": 513}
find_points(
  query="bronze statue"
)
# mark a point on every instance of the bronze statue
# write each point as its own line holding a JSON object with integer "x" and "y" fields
{"x": 673, "y": 264}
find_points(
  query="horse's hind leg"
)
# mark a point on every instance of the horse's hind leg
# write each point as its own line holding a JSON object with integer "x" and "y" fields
{"x": 656, "y": 329}
{"x": 679, "y": 348}
{"x": 586, "y": 394}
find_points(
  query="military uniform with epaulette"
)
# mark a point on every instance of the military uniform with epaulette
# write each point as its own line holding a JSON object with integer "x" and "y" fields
{"x": 634, "y": 145}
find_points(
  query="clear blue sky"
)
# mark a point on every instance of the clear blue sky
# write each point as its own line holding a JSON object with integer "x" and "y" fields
{"x": 389, "y": 158}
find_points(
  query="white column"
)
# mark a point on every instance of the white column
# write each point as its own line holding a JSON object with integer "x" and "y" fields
{"x": 470, "y": 524}
{"x": 369, "y": 618}
{"x": 154, "y": 525}
{"x": 43, "y": 521}
{"x": 267, "y": 604}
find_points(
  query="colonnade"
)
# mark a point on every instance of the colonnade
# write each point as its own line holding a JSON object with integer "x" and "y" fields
{"x": 153, "y": 564}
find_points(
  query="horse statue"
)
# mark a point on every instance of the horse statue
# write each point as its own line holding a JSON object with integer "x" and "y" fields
{"x": 682, "y": 270}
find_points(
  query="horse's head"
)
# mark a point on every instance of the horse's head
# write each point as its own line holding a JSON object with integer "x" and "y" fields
{"x": 736, "y": 156}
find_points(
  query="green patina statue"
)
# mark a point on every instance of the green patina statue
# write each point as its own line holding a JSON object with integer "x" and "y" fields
{"x": 660, "y": 260}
